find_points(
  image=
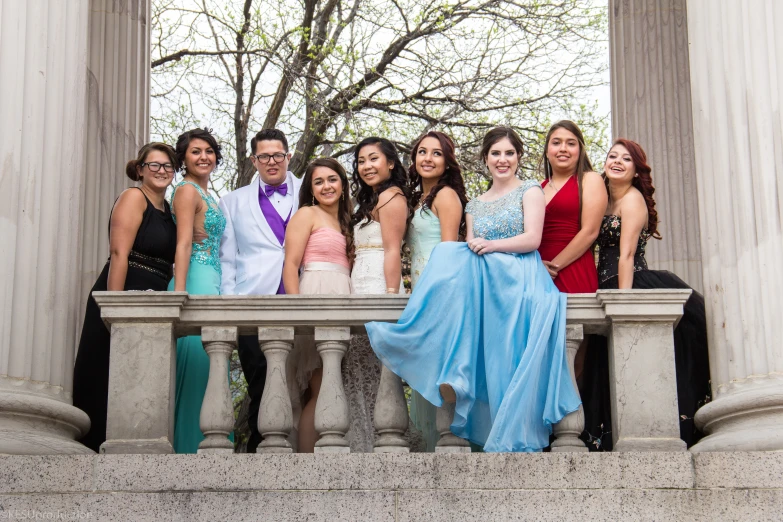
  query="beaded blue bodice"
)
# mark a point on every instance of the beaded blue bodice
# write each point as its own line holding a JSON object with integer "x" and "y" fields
{"x": 206, "y": 252}
{"x": 501, "y": 218}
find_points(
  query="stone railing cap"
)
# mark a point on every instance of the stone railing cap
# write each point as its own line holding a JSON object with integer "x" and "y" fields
{"x": 145, "y": 307}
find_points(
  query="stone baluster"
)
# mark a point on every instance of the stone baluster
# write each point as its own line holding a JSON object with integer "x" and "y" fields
{"x": 567, "y": 431}
{"x": 275, "y": 417}
{"x": 448, "y": 442}
{"x": 642, "y": 377}
{"x": 217, "y": 412}
{"x": 331, "y": 410}
{"x": 391, "y": 414}
{"x": 142, "y": 369}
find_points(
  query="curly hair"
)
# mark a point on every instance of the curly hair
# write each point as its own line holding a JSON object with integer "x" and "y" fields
{"x": 344, "y": 213}
{"x": 364, "y": 195}
{"x": 183, "y": 142}
{"x": 452, "y": 176}
{"x": 642, "y": 182}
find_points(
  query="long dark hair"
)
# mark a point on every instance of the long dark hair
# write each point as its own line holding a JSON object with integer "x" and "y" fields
{"x": 365, "y": 196}
{"x": 642, "y": 182}
{"x": 582, "y": 165}
{"x": 452, "y": 176}
{"x": 307, "y": 199}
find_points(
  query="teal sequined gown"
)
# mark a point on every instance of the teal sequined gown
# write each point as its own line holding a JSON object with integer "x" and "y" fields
{"x": 492, "y": 327}
{"x": 192, "y": 361}
{"x": 423, "y": 237}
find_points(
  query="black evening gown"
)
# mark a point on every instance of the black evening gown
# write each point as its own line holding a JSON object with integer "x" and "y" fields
{"x": 690, "y": 346}
{"x": 149, "y": 268}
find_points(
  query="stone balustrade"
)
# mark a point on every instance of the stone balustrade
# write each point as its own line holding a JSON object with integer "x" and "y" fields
{"x": 145, "y": 325}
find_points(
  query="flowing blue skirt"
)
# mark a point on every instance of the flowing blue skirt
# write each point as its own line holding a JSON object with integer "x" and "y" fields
{"x": 492, "y": 327}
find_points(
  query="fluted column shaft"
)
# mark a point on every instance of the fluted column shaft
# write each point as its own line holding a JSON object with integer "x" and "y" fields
{"x": 43, "y": 48}
{"x": 651, "y": 105}
{"x": 736, "y": 63}
{"x": 118, "y": 87}
{"x": 74, "y": 98}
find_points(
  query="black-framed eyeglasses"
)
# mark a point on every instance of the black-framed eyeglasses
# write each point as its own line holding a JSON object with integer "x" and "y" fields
{"x": 154, "y": 166}
{"x": 264, "y": 158}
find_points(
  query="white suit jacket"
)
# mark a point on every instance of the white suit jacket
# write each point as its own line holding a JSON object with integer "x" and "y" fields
{"x": 251, "y": 257}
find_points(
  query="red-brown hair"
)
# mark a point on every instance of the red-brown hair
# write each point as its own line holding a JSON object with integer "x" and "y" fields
{"x": 643, "y": 182}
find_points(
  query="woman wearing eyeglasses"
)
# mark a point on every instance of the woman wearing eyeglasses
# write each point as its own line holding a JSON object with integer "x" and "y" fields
{"x": 142, "y": 242}
{"x": 200, "y": 225}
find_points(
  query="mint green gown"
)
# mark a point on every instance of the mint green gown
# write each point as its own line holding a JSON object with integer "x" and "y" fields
{"x": 423, "y": 237}
{"x": 192, "y": 361}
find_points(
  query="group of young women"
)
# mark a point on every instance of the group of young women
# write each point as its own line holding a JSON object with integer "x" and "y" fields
{"x": 484, "y": 327}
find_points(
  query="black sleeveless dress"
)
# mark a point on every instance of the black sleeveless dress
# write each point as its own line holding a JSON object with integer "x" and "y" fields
{"x": 690, "y": 345}
{"x": 149, "y": 268}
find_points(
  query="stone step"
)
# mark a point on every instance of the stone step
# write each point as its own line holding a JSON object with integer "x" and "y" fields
{"x": 395, "y": 487}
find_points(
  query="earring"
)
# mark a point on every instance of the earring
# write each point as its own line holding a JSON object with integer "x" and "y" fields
{"x": 313, "y": 203}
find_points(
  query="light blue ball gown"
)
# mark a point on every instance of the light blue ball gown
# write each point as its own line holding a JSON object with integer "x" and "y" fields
{"x": 492, "y": 327}
{"x": 192, "y": 361}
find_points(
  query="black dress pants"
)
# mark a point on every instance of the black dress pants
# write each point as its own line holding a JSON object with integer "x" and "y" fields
{"x": 254, "y": 367}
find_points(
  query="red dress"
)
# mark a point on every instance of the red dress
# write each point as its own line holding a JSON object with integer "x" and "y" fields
{"x": 561, "y": 224}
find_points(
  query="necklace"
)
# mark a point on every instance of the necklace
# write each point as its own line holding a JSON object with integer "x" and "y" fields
{"x": 552, "y": 183}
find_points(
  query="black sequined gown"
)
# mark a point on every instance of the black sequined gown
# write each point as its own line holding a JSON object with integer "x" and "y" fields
{"x": 690, "y": 345}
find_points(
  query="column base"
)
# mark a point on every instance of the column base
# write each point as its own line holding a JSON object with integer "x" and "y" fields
{"x": 34, "y": 424}
{"x": 332, "y": 449}
{"x": 747, "y": 418}
{"x": 650, "y": 444}
{"x": 137, "y": 446}
{"x": 391, "y": 449}
{"x": 452, "y": 449}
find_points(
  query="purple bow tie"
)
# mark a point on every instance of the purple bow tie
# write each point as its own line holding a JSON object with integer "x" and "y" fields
{"x": 282, "y": 189}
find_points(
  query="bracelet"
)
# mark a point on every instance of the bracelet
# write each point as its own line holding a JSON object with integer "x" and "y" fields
{"x": 392, "y": 290}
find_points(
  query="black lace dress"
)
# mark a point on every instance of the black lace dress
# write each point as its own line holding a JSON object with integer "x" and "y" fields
{"x": 149, "y": 268}
{"x": 690, "y": 345}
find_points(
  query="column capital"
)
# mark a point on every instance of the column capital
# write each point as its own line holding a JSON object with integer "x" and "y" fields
{"x": 643, "y": 306}
{"x": 285, "y": 334}
{"x": 140, "y": 307}
{"x": 337, "y": 333}
{"x": 222, "y": 334}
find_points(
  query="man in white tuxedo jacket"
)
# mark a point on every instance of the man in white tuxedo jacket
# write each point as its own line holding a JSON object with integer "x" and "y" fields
{"x": 252, "y": 248}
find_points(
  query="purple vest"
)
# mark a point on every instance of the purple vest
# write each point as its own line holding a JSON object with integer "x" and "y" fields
{"x": 276, "y": 223}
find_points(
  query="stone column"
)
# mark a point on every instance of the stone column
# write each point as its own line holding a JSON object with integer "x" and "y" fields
{"x": 142, "y": 369}
{"x": 331, "y": 410}
{"x": 642, "y": 376}
{"x": 43, "y": 49}
{"x": 651, "y": 104}
{"x": 217, "y": 411}
{"x": 117, "y": 124}
{"x": 448, "y": 442}
{"x": 736, "y": 51}
{"x": 567, "y": 431}
{"x": 275, "y": 416}
{"x": 391, "y": 414}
